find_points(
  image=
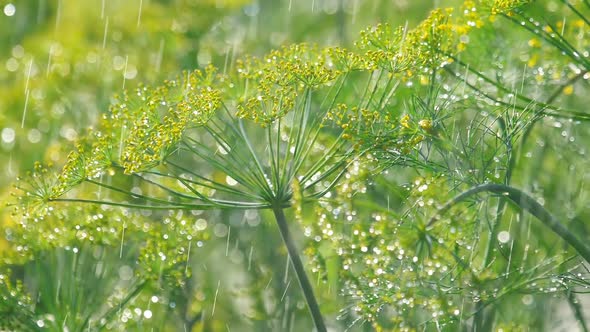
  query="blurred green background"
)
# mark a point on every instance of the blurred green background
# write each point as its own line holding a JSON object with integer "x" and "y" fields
{"x": 63, "y": 61}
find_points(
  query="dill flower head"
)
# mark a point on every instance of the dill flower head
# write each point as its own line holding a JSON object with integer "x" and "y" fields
{"x": 154, "y": 120}
{"x": 401, "y": 50}
{"x": 506, "y": 6}
{"x": 275, "y": 81}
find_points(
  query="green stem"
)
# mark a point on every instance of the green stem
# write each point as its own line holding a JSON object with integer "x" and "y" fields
{"x": 525, "y": 202}
{"x": 310, "y": 298}
{"x": 189, "y": 207}
{"x": 501, "y": 202}
{"x": 116, "y": 308}
{"x": 481, "y": 323}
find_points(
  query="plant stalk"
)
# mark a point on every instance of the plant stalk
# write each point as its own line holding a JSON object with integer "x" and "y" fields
{"x": 525, "y": 202}
{"x": 310, "y": 298}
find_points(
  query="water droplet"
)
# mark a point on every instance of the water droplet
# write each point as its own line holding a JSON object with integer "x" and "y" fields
{"x": 527, "y": 299}
{"x": 34, "y": 136}
{"x": 201, "y": 224}
{"x": 252, "y": 10}
{"x": 125, "y": 272}
{"x": 503, "y": 236}
{"x": 147, "y": 314}
{"x": 12, "y": 64}
{"x": 8, "y": 135}
{"x": 9, "y": 9}
{"x": 230, "y": 181}
{"x": 220, "y": 230}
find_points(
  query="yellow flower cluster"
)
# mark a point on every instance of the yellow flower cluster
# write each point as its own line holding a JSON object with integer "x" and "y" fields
{"x": 144, "y": 126}
{"x": 265, "y": 108}
{"x": 371, "y": 130}
{"x": 507, "y": 6}
{"x": 275, "y": 82}
{"x": 345, "y": 61}
{"x": 152, "y": 121}
{"x": 386, "y": 49}
{"x": 73, "y": 172}
{"x": 426, "y": 46}
{"x": 401, "y": 50}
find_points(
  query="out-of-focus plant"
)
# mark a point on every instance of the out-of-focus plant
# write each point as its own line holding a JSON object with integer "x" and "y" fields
{"x": 77, "y": 54}
{"x": 322, "y": 131}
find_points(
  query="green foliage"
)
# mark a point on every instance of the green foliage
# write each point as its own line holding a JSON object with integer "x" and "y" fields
{"x": 405, "y": 157}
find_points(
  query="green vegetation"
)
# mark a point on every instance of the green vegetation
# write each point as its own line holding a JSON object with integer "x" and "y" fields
{"x": 195, "y": 166}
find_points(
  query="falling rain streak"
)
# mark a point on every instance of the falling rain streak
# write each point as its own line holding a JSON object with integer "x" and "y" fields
{"x": 188, "y": 255}
{"x": 286, "y": 289}
{"x": 58, "y": 14}
{"x": 160, "y": 56}
{"x": 22, "y": 124}
{"x": 105, "y": 32}
{"x": 125, "y": 71}
{"x": 27, "y": 92}
{"x": 227, "y": 241}
{"x": 250, "y": 257}
{"x": 139, "y": 13}
{"x": 122, "y": 240}
{"x": 215, "y": 298}
{"x": 287, "y": 263}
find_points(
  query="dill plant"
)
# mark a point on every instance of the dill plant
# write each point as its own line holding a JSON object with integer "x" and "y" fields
{"x": 406, "y": 271}
{"x": 375, "y": 147}
{"x": 156, "y": 135}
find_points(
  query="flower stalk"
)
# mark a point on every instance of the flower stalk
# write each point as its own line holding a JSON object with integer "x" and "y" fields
{"x": 525, "y": 202}
{"x": 306, "y": 287}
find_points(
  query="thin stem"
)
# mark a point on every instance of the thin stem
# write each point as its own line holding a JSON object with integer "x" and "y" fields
{"x": 130, "y": 296}
{"x": 208, "y": 183}
{"x": 310, "y": 298}
{"x": 132, "y": 194}
{"x": 171, "y": 206}
{"x": 479, "y": 315}
{"x": 501, "y": 202}
{"x": 525, "y": 202}
{"x": 222, "y": 163}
